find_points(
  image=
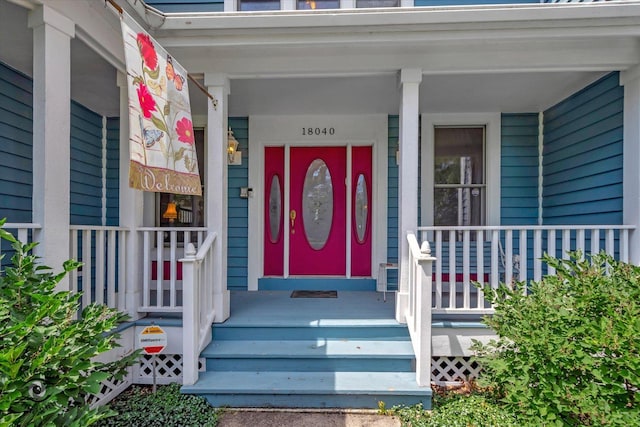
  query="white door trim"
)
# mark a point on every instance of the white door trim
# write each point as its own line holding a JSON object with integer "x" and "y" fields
{"x": 349, "y": 131}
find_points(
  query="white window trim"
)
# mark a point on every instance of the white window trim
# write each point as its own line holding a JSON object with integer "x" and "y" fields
{"x": 492, "y": 124}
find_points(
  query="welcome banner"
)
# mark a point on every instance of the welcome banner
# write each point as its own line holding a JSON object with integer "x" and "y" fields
{"x": 162, "y": 148}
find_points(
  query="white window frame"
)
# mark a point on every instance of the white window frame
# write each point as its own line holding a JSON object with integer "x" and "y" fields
{"x": 492, "y": 124}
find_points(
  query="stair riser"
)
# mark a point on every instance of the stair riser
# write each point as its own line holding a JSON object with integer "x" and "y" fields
{"x": 311, "y": 364}
{"x": 382, "y": 333}
{"x": 315, "y": 400}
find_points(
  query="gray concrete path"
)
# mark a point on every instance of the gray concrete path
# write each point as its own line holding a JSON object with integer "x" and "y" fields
{"x": 304, "y": 418}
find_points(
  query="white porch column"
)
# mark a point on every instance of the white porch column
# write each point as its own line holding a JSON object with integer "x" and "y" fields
{"x": 631, "y": 159}
{"x": 407, "y": 178}
{"x": 131, "y": 207}
{"x": 216, "y": 188}
{"x": 52, "y": 33}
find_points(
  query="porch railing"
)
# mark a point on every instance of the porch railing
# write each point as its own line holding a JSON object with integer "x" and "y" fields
{"x": 418, "y": 310}
{"x": 101, "y": 278}
{"x": 22, "y": 231}
{"x": 162, "y": 269}
{"x": 198, "y": 312}
{"x": 503, "y": 254}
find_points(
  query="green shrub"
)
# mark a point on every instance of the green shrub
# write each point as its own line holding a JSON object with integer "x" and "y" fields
{"x": 568, "y": 353}
{"x": 46, "y": 366}
{"x": 453, "y": 410}
{"x": 166, "y": 408}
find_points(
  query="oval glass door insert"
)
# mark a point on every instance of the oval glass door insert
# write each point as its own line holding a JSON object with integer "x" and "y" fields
{"x": 317, "y": 204}
{"x": 361, "y": 208}
{"x": 275, "y": 209}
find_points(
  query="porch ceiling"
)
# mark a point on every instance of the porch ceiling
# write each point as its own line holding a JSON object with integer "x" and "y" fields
{"x": 508, "y": 92}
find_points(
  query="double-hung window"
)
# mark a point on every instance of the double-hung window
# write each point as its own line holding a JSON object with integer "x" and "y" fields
{"x": 459, "y": 195}
{"x": 460, "y": 174}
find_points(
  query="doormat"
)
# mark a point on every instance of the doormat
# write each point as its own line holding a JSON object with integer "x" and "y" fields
{"x": 314, "y": 294}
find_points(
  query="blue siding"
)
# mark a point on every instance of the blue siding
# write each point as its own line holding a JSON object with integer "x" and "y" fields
{"x": 170, "y": 6}
{"x": 16, "y": 145}
{"x": 113, "y": 171}
{"x": 86, "y": 166}
{"x": 582, "y": 166}
{"x": 392, "y": 200}
{"x": 238, "y": 210}
{"x": 519, "y": 169}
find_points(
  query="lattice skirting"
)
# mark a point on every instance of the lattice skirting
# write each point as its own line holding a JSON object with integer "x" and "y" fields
{"x": 168, "y": 369}
{"x": 448, "y": 369}
{"x": 109, "y": 390}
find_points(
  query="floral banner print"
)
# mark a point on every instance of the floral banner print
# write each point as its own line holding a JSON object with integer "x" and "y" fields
{"x": 162, "y": 148}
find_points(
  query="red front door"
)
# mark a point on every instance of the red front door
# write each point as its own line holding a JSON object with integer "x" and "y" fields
{"x": 318, "y": 214}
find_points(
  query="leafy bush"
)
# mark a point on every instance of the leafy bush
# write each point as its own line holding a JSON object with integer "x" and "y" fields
{"x": 166, "y": 408}
{"x": 568, "y": 353}
{"x": 454, "y": 410}
{"x": 46, "y": 366}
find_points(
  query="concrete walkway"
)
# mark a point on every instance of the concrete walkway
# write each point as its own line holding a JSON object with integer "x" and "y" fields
{"x": 304, "y": 418}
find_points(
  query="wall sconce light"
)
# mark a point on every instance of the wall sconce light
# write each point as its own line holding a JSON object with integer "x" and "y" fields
{"x": 171, "y": 213}
{"x": 234, "y": 157}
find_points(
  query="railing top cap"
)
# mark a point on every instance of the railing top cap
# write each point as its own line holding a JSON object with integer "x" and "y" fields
{"x": 526, "y": 227}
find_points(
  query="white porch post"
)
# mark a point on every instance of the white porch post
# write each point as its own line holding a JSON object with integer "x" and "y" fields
{"x": 407, "y": 178}
{"x": 631, "y": 148}
{"x": 131, "y": 204}
{"x": 52, "y": 33}
{"x": 216, "y": 189}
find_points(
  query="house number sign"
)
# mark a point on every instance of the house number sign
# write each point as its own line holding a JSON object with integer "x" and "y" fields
{"x": 310, "y": 131}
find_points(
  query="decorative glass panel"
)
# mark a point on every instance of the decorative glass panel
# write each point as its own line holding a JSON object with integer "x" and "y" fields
{"x": 361, "y": 208}
{"x": 275, "y": 209}
{"x": 317, "y": 204}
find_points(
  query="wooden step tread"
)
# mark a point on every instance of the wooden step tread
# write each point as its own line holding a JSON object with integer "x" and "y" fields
{"x": 308, "y": 383}
{"x": 308, "y": 349}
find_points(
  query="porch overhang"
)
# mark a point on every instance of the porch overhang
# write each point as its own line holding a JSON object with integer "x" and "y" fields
{"x": 442, "y": 40}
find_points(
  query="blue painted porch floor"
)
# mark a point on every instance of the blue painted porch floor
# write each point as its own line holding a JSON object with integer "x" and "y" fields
{"x": 277, "y": 351}
{"x": 275, "y": 308}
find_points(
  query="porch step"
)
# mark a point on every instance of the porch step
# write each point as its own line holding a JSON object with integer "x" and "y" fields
{"x": 306, "y": 355}
{"x": 310, "y": 389}
{"x": 276, "y": 351}
{"x": 372, "y": 330}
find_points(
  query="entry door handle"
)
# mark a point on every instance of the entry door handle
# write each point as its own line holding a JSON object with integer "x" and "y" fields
{"x": 292, "y": 217}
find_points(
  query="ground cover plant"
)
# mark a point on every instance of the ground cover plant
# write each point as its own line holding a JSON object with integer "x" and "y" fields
{"x": 138, "y": 406}
{"x": 473, "y": 409}
{"x": 47, "y": 347}
{"x": 568, "y": 352}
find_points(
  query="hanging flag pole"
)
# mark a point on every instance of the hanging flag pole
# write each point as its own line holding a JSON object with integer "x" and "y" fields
{"x": 213, "y": 99}
{"x": 115, "y": 5}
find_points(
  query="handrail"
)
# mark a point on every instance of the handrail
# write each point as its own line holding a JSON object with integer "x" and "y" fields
{"x": 418, "y": 311}
{"x": 206, "y": 245}
{"x": 198, "y": 305}
{"x": 14, "y": 225}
